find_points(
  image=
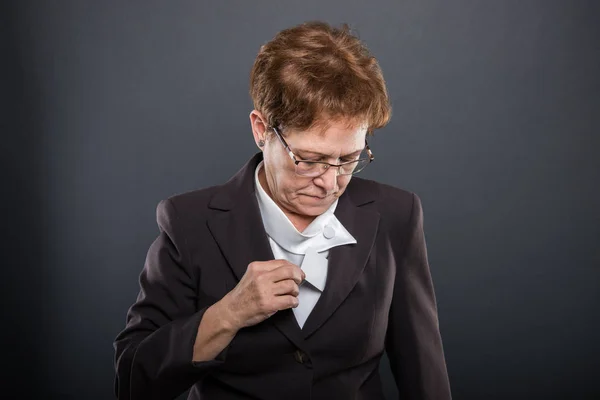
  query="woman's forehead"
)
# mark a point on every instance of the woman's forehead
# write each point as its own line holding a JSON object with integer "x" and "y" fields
{"x": 333, "y": 141}
{"x": 341, "y": 132}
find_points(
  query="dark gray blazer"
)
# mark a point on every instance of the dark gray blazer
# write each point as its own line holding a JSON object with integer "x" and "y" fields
{"x": 378, "y": 296}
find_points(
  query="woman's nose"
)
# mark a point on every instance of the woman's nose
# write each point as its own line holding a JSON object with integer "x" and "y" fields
{"x": 328, "y": 180}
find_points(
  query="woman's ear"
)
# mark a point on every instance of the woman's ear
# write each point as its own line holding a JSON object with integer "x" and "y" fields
{"x": 259, "y": 128}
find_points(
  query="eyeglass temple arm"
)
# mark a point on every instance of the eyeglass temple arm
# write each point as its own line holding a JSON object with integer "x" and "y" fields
{"x": 285, "y": 145}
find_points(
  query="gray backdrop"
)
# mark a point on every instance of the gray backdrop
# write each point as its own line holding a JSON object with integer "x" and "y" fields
{"x": 112, "y": 106}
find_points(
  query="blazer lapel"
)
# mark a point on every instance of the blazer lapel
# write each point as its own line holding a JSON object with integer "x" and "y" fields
{"x": 240, "y": 234}
{"x": 346, "y": 263}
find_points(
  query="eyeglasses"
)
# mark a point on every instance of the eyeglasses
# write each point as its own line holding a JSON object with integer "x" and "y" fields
{"x": 317, "y": 168}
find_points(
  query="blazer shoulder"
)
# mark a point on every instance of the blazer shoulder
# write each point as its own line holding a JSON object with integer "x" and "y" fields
{"x": 193, "y": 199}
{"x": 185, "y": 206}
{"x": 387, "y": 197}
{"x": 399, "y": 209}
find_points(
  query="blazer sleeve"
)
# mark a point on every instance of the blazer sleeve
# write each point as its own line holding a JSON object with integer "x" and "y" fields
{"x": 413, "y": 340}
{"x": 153, "y": 354}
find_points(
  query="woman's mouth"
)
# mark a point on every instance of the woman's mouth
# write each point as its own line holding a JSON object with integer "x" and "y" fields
{"x": 316, "y": 197}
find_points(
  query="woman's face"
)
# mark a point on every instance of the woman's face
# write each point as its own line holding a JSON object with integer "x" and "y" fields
{"x": 300, "y": 196}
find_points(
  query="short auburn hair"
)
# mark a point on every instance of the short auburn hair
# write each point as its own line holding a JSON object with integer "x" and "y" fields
{"x": 313, "y": 73}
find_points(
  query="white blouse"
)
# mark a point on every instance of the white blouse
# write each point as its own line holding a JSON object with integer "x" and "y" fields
{"x": 308, "y": 249}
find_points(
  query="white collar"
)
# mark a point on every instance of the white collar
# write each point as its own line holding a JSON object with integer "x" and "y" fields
{"x": 323, "y": 233}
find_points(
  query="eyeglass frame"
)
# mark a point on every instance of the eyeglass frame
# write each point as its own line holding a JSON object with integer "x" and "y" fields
{"x": 298, "y": 160}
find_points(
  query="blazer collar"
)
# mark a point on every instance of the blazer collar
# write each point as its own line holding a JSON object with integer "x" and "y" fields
{"x": 240, "y": 234}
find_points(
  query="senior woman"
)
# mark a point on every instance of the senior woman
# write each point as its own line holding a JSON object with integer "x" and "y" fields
{"x": 290, "y": 280}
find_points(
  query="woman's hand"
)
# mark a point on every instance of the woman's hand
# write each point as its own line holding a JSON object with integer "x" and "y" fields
{"x": 265, "y": 288}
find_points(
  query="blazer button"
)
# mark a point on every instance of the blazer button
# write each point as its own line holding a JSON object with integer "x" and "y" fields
{"x": 300, "y": 356}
